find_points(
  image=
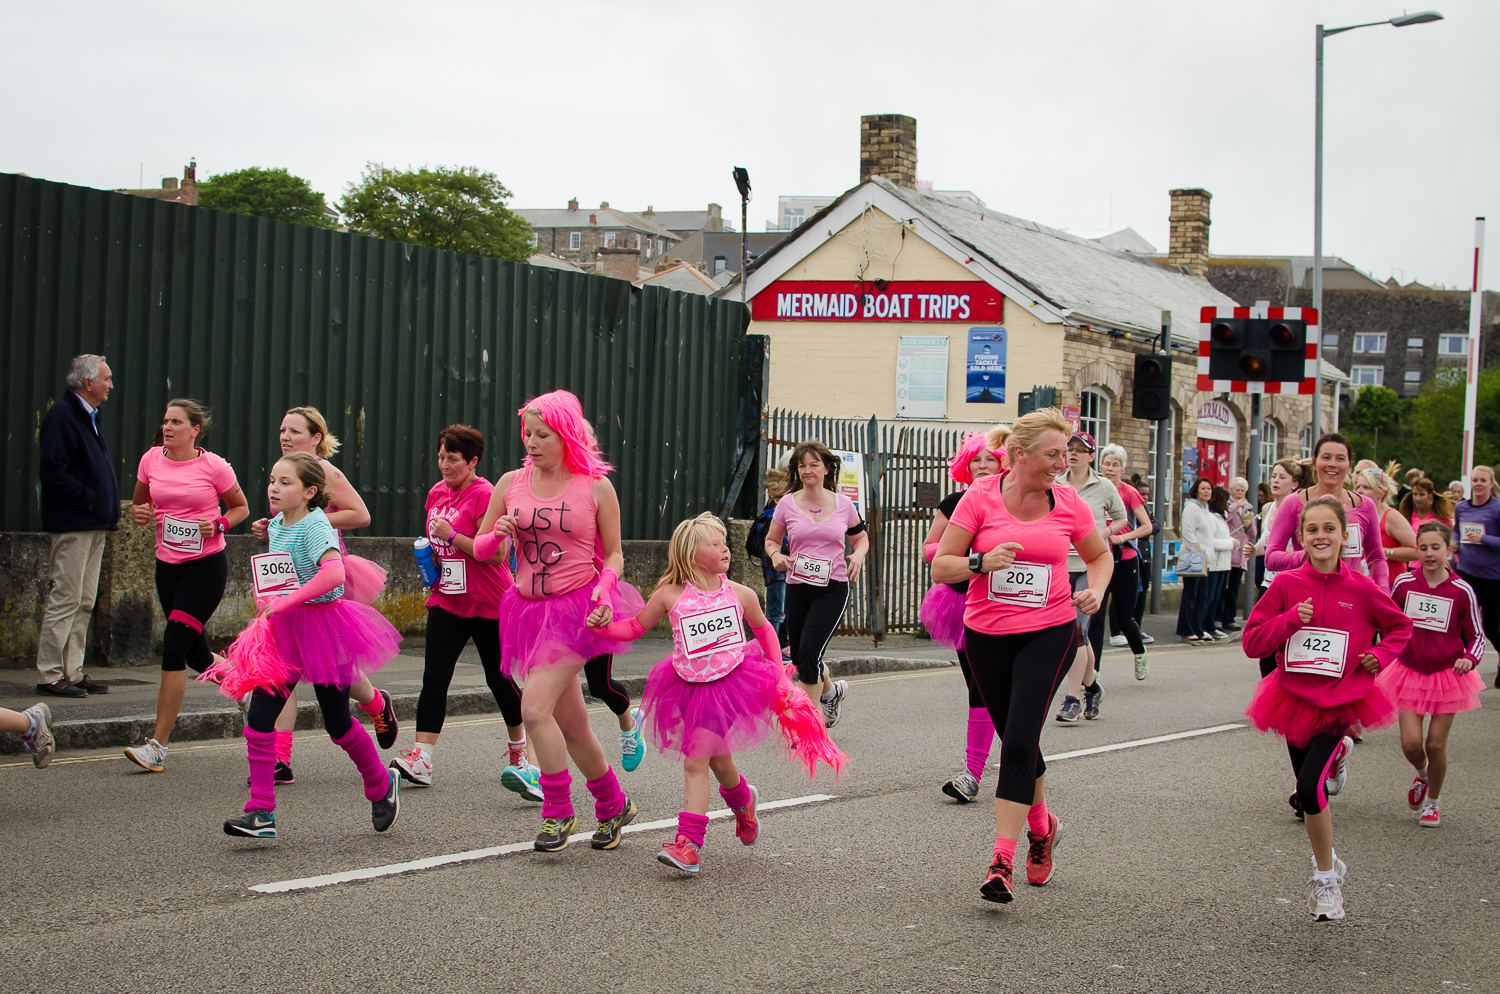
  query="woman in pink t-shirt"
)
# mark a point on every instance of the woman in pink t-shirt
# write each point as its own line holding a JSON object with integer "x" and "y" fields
{"x": 1021, "y": 629}
{"x": 558, "y": 509}
{"x": 816, "y": 521}
{"x": 180, "y": 487}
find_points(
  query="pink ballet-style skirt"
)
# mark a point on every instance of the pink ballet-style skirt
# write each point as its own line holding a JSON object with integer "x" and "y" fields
{"x": 553, "y": 633}
{"x": 1272, "y": 709}
{"x": 363, "y": 580}
{"x": 337, "y": 642}
{"x": 731, "y": 714}
{"x": 942, "y": 614}
{"x": 1444, "y": 692}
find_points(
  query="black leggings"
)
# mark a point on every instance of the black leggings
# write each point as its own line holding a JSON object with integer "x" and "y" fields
{"x": 976, "y": 699}
{"x": 1018, "y": 675}
{"x": 447, "y": 634}
{"x": 1313, "y": 764}
{"x": 189, "y": 593}
{"x": 333, "y": 701}
{"x": 1142, "y": 594}
{"x": 812, "y": 616}
{"x": 1487, "y": 593}
{"x": 603, "y": 686}
{"x": 1119, "y": 601}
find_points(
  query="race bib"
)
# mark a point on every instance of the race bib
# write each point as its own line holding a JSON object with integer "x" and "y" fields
{"x": 1429, "y": 611}
{"x": 1319, "y": 651}
{"x": 181, "y": 534}
{"x": 1353, "y": 549}
{"x": 454, "y": 579}
{"x": 1472, "y": 531}
{"x": 806, "y": 569}
{"x": 711, "y": 631}
{"x": 273, "y": 573}
{"x": 1022, "y": 584}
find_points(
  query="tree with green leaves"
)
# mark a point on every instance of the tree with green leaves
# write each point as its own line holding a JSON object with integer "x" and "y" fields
{"x": 1374, "y": 424}
{"x": 1438, "y": 424}
{"x": 272, "y": 193}
{"x": 459, "y": 209}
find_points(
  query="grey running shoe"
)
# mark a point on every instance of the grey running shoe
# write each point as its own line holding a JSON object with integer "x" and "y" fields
{"x": 1091, "y": 700}
{"x": 1325, "y": 899}
{"x": 607, "y": 836}
{"x": 963, "y": 788}
{"x": 255, "y": 824}
{"x": 1070, "y": 709}
{"x": 384, "y": 811}
{"x": 832, "y": 706}
{"x": 554, "y": 834}
{"x": 40, "y": 742}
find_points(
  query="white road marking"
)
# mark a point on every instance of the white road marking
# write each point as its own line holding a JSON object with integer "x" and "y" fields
{"x": 415, "y": 865}
{"x": 1116, "y": 747}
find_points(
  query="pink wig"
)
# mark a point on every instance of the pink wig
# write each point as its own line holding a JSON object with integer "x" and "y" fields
{"x": 973, "y": 445}
{"x": 561, "y": 411}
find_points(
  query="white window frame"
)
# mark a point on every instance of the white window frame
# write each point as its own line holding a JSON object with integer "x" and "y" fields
{"x": 1413, "y": 376}
{"x": 1366, "y": 376}
{"x": 1364, "y": 343}
{"x": 638, "y": 241}
{"x": 1270, "y": 441}
{"x": 1093, "y": 415}
{"x": 1452, "y": 345}
{"x": 609, "y": 239}
{"x": 1169, "y": 495}
{"x": 575, "y": 241}
{"x": 1305, "y": 443}
{"x": 1416, "y": 343}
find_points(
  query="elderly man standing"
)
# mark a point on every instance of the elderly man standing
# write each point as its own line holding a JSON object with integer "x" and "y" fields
{"x": 80, "y": 503}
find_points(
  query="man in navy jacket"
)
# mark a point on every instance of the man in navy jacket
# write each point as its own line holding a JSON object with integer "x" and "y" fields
{"x": 80, "y": 504}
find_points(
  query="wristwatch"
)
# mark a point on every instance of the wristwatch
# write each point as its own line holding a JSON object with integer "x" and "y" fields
{"x": 976, "y": 562}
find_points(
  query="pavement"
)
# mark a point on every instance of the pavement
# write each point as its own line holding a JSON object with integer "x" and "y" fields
{"x": 1180, "y": 867}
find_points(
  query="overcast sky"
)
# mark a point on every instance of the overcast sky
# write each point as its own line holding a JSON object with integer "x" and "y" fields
{"x": 1048, "y": 109}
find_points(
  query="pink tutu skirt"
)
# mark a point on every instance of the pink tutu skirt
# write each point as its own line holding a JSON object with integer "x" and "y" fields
{"x": 942, "y": 614}
{"x": 553, "y": 633}
{"x": 1444, "y": 692}
{"x": 730, "y": 714}
{"x": 1274, "y": 710}
{"x": 363, "y": 580}
{"x": 337, "y": 642}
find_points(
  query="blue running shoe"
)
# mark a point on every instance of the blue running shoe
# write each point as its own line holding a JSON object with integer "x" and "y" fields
{"x": 632, "y": 744}
{"x": 524, "y": 780}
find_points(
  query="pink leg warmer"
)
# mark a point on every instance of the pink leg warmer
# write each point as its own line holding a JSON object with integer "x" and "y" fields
{"x": 557, "y": 794}
{"x": 376, "y": 705}
{"x": 737, "y": 797}
{"x": 609, "y": 799}
{"x": 261, "y": 752}
{"x": 693, "y": 826}
{"x": 981, "y": 734}
{"x": 361, "y": 748}
{"x": 284, "y": 746}
{"x": 1037, "y": 821}
{"x": 1006, "y": 848}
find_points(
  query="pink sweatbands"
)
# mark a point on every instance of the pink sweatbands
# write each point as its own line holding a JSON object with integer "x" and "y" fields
{"x": 980, "y": 735}
{"x": 183, "y": 617}
{"x": 695, "y": 827}
{"x": 260, "y": 752}
{"x": 770, "y": 645}
{"x": 622, "y": 631}
{"x": 486, "y": 545}
{"x": 557, "y": 794}
{"x": 607, "y": 580}
{"x": 737, "y": 797}
{"x": 930, "y": 551}
{"x": 328, "y": 578}
{"x": 609, "y": 799}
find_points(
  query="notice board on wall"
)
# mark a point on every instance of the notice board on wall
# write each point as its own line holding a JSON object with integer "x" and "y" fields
{"x": 985, "y": 366}
{"x": 922, "y": 376}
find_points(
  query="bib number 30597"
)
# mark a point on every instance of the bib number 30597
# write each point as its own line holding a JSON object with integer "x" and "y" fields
{"x": 806, "y": 569}
{"x": 1318, "y": 651}
{"x": 711, "y": 631}
{"x": 273, "y": 573}
{"x": 181, "y": 534}
{"x": 1022, "y": 584}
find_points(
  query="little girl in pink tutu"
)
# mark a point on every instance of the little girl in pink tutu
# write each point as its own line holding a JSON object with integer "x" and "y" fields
{"x": 717, "y": 694}
{"x": 312, "y": 633}
{"x": 1435, "y": 674}
{"x": 1321, "y": 621}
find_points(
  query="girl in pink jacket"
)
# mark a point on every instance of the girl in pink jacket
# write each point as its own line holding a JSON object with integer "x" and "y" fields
{"x": 1321, "y": 621}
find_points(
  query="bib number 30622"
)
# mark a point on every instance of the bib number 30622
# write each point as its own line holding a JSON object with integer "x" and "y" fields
{"x": 1022, "y": 584}
{"x": 806, "y": 569}
{"x": 1318, "y": 651}
{"x": 711, "y": 631}
{"x": 273, "y": 573}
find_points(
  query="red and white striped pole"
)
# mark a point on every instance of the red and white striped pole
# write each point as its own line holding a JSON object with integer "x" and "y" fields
{"x": 1471, "y": 389}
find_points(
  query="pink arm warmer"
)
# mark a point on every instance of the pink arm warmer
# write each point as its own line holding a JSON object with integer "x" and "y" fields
{"x": 622, "y": 631}
{"x": 607, "y": 580}
{"x": 328, "y": 577}
{"x": 770, "y": 645}
{"x": 486, "y": 545}
{"x": 930, "y": 552}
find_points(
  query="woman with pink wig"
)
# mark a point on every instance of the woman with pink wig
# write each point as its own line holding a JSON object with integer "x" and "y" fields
{"x": 557, "y": 508}
{"x": 942, "y": 611}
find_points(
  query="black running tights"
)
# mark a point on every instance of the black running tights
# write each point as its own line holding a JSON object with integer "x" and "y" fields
{"x": 603, "y": 686}
{"x": 189, "y": 593}
{"x": 976, "y": 699}
{"x": 1119, "y": 601}
{"x": 1313, "y": 764}
{"x": 447, "y": 634}
{"x": 332, "y": 701}
{"x": 812, "y": 616}
{"x": 1018, "y": 675}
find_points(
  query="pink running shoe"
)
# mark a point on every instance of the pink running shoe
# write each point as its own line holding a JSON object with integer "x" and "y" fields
{"x": 746, "y": 826}
{"x": 681, "y": 853}
{"x": 1417, "y": 792}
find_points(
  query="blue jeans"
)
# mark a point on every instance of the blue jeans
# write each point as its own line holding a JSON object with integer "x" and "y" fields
{"x": 1194, "y": 589}
{"x": 776, "y": 606}
{"x": 1208, "y": 606}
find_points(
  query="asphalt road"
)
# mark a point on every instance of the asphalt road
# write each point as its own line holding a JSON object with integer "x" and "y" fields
{"x": 1180, "y": 867}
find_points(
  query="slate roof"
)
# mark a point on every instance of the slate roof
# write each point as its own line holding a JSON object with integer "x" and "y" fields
{"x": 606, "y": 217}
{"x": 681, "y": 220}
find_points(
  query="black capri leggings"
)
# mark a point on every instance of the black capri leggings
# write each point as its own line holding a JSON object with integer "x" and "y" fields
{"x": 603, "y": 686}
{"x": 1018, "y": 675}
{"x": 189, "y": 593}
{"x": 447, "y": 634}
{"x": 1119, "y": 600}
{"x": 1313, "y": 764}
{"x": 812, "y": 616}
{"x": 333, "y": 701}
{"x": 976, "y": 699}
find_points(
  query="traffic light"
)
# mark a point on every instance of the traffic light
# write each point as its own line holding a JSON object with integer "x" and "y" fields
{"x": 1150, "y": 400}
{"x": 1257, "y": 350}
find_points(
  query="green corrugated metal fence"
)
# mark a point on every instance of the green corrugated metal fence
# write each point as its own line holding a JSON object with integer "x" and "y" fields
{"x": 392, "y": 341}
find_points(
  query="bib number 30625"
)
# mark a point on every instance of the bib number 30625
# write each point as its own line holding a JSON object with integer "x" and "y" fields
{"x": 273, "y": 573}
{"x": 1318, "y": 651}
{"x": 711, "y": 631}
{"x": 1022, "y": 584}
{"x": 806, "y": 569}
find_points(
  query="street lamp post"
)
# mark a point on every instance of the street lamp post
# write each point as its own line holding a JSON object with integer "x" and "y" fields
{"x": 1405, "y": 20}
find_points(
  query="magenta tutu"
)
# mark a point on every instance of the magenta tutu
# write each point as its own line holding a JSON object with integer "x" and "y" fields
{"x": 1444, "y": 692}
{"x": 336, "y": 642}
{"x": 1272, "y": 709}
{"x": 942, "y": 614}
{"x": 730, "y": 714}
{"x": 363, "y": 580}
{"x": 553, "y": 633}
{"x": 253, "y": 660}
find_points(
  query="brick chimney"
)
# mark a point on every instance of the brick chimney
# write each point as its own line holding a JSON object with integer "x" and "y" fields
{"x": 620, "y": 263}
{"x": 573, "y": 204}
{"x": 1188, "y": 242}
{"x": 169, "y": 182}
{"x": 888, "y": 147}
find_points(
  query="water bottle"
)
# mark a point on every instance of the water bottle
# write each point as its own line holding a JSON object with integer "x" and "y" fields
{"x": 422, "y": 549}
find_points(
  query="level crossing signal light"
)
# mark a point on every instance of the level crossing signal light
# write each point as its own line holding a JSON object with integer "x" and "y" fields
{"x": 1257, "y": 350}
{"x": 1151, "y": 397}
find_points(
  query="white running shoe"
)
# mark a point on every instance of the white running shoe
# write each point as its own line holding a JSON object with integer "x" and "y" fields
{"x": 963, "y": 788}
{"x": 1147, "y": 639}
{"x": 1325, "y": 899}
{"x": 414, "y": 766}
{"x": 1340, "y": 868}
{"x": 1117, "y": 640}
{"x": 39, "y": 743}
{"x": 833, "y": 705}
{"x": 1335, "y": 783}
{"x": 149, "y": 756}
